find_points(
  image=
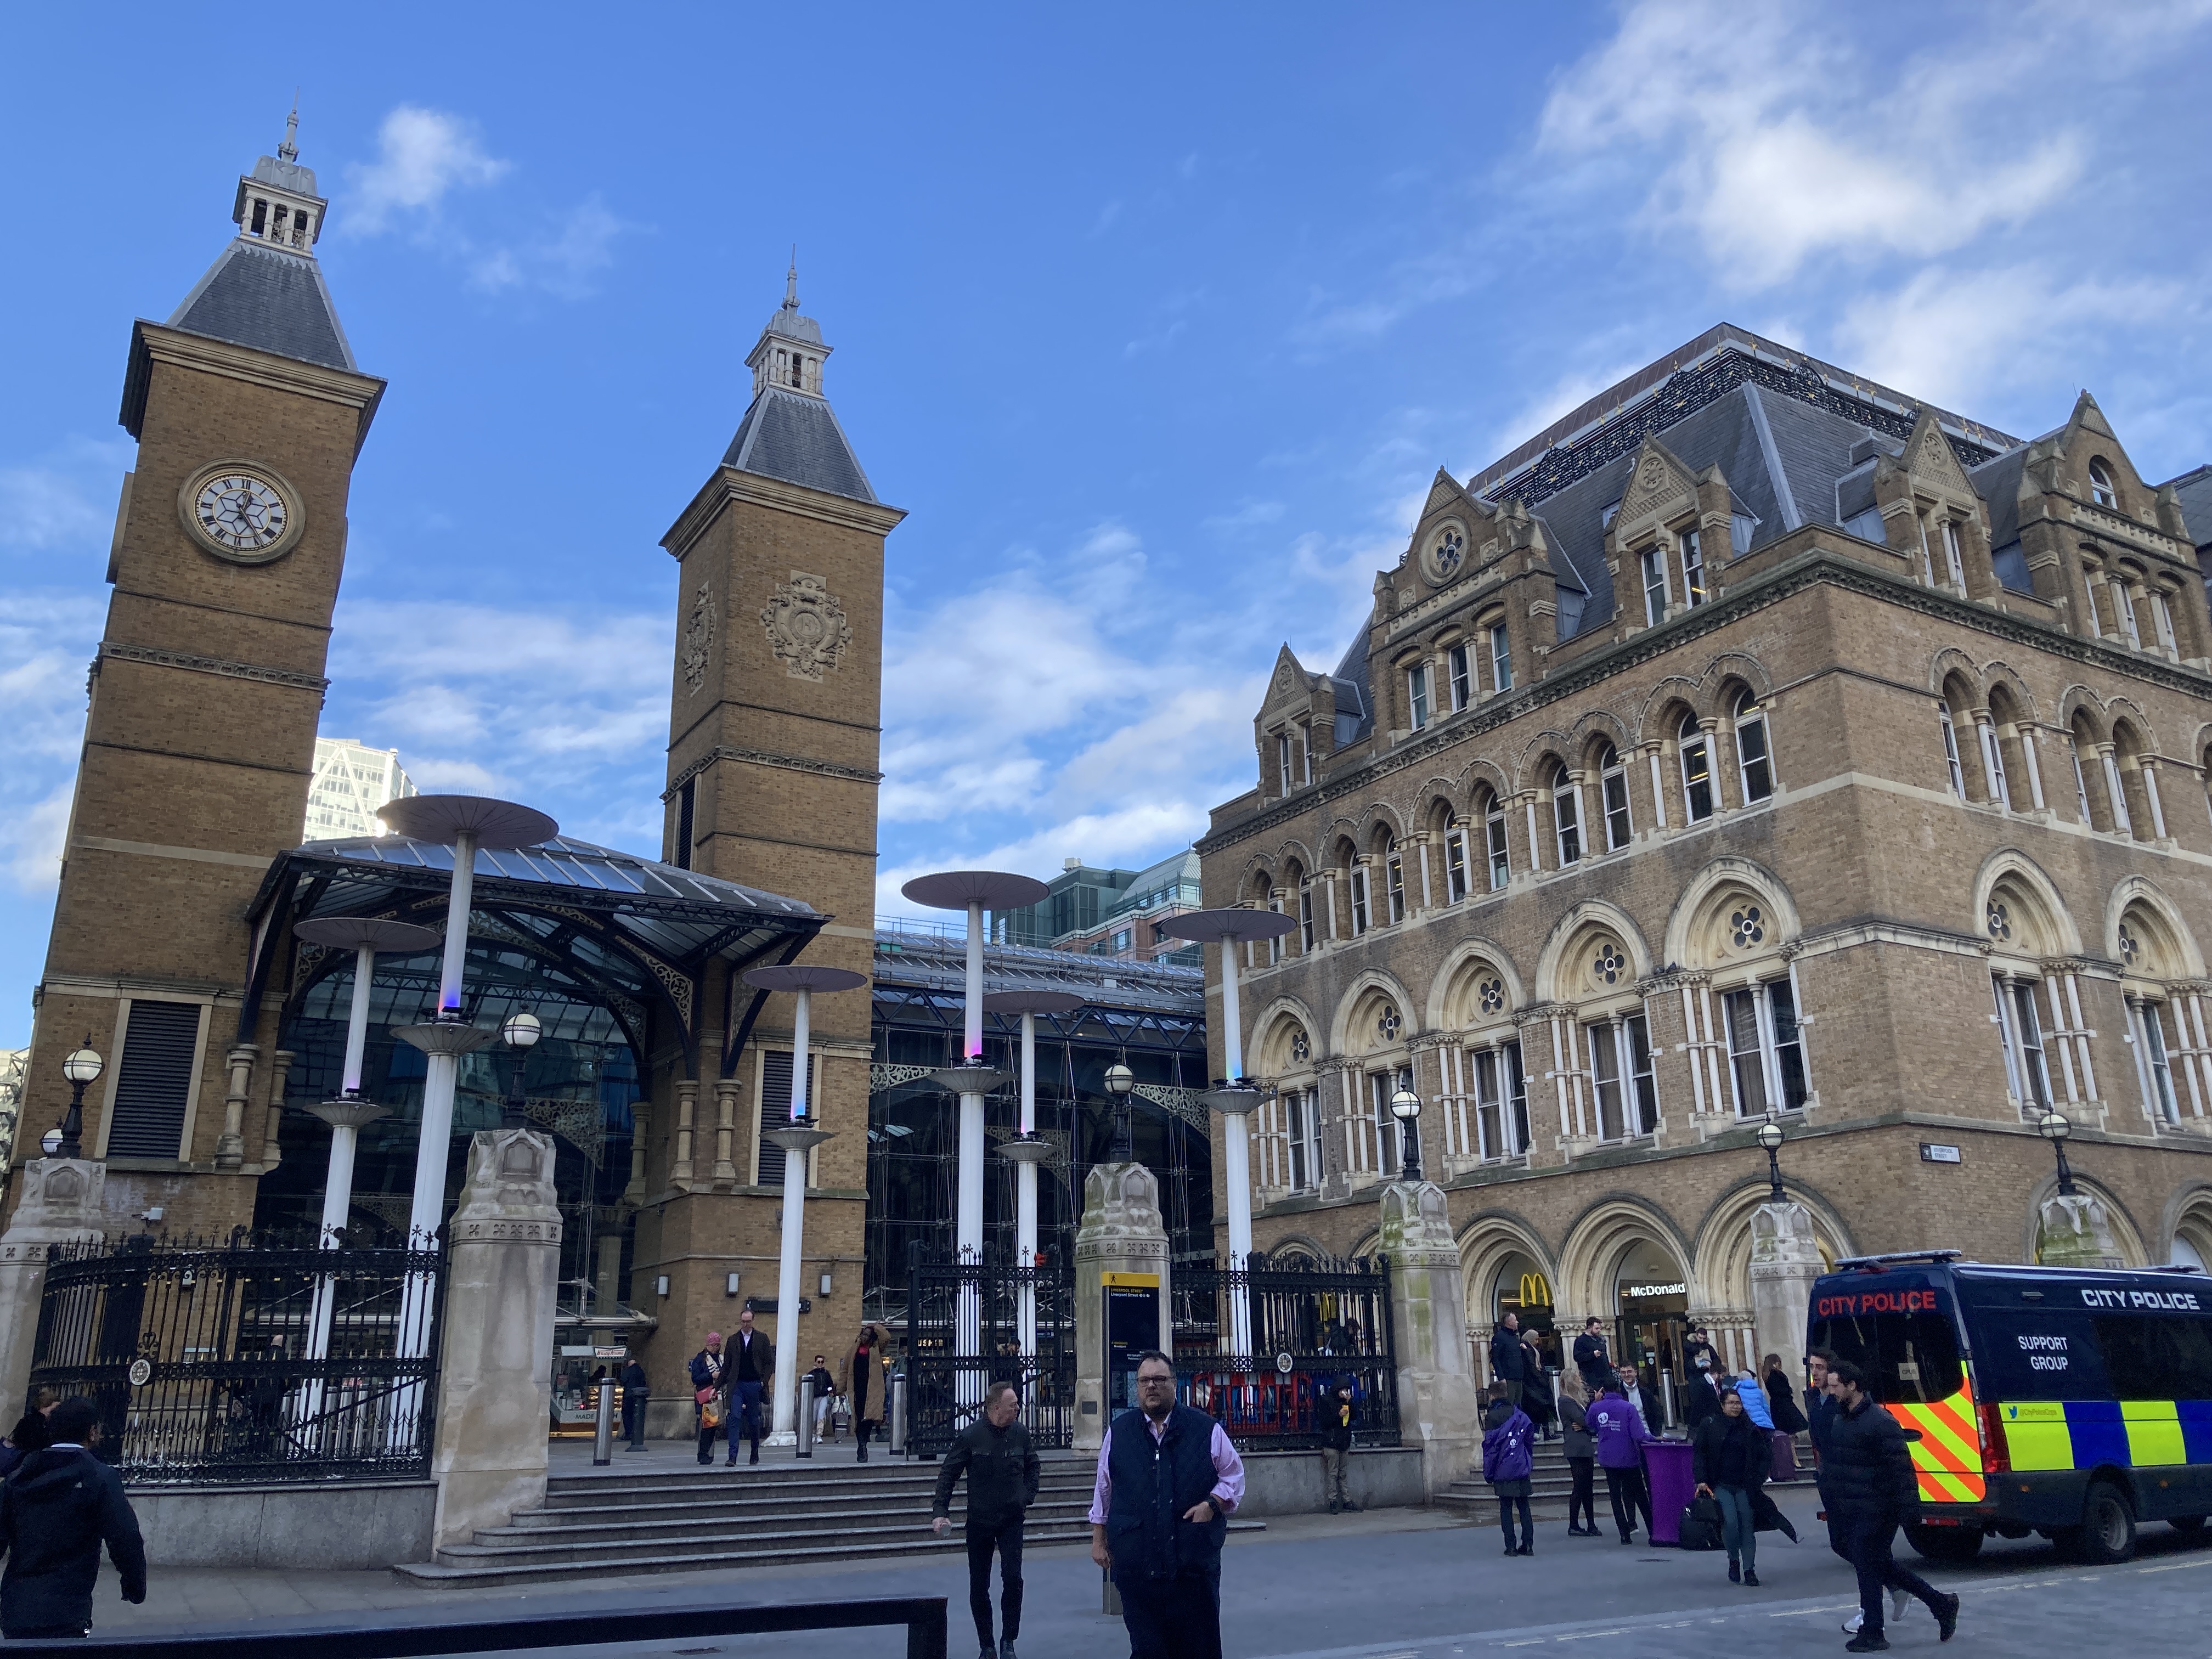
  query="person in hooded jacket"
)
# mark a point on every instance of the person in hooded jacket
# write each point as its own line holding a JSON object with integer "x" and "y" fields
{"x": 1866, "y": 1479}
{"x": 56, "y": 1510}
{"x": 1619, "y": 1429}
{"x": 1731, "y": 1456}
{"x": 1508, "y": 1464}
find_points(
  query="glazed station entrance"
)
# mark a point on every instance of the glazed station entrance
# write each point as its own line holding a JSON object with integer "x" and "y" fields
{"x": 1652, "y": 1297}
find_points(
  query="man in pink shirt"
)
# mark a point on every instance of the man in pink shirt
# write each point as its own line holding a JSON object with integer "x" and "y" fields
{"x": 1168, "y": 1479}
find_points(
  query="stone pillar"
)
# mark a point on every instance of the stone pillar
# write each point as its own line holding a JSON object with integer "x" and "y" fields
{"x": 1438, "y": 1408}
{"x": 2077, "y": 1232}
{"x": 640, "y": 1123}
{"x": 230, "y": 1145}
{"x": 1785, "y": 1259}
{"x": 687, "y": 1100}
{"x": 280, "y": 1075}
{"x": 1122, "y": 1232}
{"x": 726, "y": 1128}
{"x": 495, "y": 1392}
{"x": 60, "y": 1206}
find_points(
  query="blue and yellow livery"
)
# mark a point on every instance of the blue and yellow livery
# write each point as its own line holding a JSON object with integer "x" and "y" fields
{"x": 2074, "y": 1403}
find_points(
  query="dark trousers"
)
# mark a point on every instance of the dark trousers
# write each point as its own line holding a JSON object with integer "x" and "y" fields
{"x": 1870, "y": 1539}
{"x": 1516, "y": 1390}
{"x": 1629, "y": 1499}
{"x": 744, "y": 1416}
{"x": 1178, "y": 1618}
{"x": 706, "y": 1441}
{"x": 1006, "y": 1538}
{"x": 1505, "y": 1506}
{"x": 1583, "y": 1501}
{"x": 634, "y": 1419}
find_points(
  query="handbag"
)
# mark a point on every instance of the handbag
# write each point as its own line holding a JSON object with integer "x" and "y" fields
{"x": 703, "y": 1396}
{"x": 710, "y": 1414}
{"x": 1699, "y": 1528}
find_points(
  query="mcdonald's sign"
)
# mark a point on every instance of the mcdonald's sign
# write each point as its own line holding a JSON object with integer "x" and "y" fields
{"x": 1534, "y": 1292}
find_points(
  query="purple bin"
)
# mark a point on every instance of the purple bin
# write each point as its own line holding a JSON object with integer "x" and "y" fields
{"x": 1669, "y": 1465}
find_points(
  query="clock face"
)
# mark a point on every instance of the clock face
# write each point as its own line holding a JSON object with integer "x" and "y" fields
{"x": 241, "y": 512}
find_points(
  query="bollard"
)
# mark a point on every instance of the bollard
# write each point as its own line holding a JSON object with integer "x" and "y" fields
{"x": 602, "y": 1434}
{"x": 806, "y": 1415}
{"x": 895, "y": 1409}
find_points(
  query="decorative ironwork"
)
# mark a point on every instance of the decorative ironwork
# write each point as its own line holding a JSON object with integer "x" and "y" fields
{"x": 881, "y": 1076}
{"x": 195, "y": 1354}
{"x": 944, "y": 1389}
{"x": 581, "y": 1123}
{"x": 1185, "y": 1104}
{"x": 1314, "y": 1324}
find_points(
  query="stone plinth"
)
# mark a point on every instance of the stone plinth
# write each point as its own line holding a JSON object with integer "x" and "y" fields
{"x": 494, "y": 1393}
{"x": 61, "y": 1205}
{"x": 2077, "y": 1232}
{"x": 1785, "y": 1259}
{"x": 1122, "y": 1232}
{"x": 1438, "y": 1408}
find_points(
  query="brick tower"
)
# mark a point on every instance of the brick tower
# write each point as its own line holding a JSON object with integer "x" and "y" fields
{"x": 249, "y": 411}
{"x": 772, "y": 754}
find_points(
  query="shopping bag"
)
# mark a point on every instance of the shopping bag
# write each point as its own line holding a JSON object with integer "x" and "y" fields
{"x": 710, "y": 1414}
{"x": 1700, "y": 1526}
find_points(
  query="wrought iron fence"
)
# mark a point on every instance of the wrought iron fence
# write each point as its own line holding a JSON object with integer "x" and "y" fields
{"x": 966, "y": 1329}
{"x": 255, "y": 1360}
{"x": 1305, "y": 1327}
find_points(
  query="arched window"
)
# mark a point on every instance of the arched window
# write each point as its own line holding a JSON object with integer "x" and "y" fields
{"x": 1360, "y": 912}
{"x": 1457, "y": 882}
{"x": 1696, "y": 771}
{"x": 1496, "y": 850}
{"x": 2159, "y": 1025}
{"x": 1613, "y": 782}
{"x": 1567, "y": 816}
{"x": 1755, "y": 765}
{"x": 1694, "y": 592}
{"x": 2161, "y": 616}
{"x": 1652, "y": 562}
{"x": 1305, "y": 917}
{"x": 2100, "y": 484}
{"x": 1958, "y": 778}
{"x": 1393, "y": 870}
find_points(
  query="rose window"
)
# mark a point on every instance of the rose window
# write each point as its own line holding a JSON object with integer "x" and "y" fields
{"x": 1299, "y": 1047}
{"x": 1451, "y": 547}
{"x": 1747, "y": 927}
{"x": 2000, "y": 922}
{"x": 1388, "y": 1026}
{"x": 1610, "y": 965}
{"x": 2130, "y": 947}
{"x": 1491, "y": 993}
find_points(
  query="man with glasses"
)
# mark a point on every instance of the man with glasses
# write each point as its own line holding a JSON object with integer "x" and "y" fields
{"x": 1168, "y": 1479}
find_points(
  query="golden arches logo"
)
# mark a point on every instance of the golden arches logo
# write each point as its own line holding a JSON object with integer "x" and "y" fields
{"x": 1535, "y": 1291}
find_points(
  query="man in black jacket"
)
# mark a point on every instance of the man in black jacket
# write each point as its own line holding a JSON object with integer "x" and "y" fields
{"x": 1509, "y": 1361}
{"x": 1336, "y": 1413}
{"x": 55, "y": 1510}
{"x": 635, "y": 1391}
{"x": 1002, "y": 1483}
{"x": 752, "y": 1368}
{"x": 1591, "y": 1358}
{"x": 1867, "y": 1483}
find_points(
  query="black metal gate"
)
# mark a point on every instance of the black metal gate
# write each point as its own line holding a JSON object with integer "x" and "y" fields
{"x": 197, "y": 1357}
{"x": 949, "y": 1299}
{"x": 1307, "y": 1326}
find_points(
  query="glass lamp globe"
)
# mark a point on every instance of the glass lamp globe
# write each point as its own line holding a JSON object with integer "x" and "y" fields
{"x": 522, "y": 1029}
{"x": 1770, "y": 1136}
{"x": 1405, "y": 1105}
{"x": 1120, "y": 1079}
{"x": 83, "y": 1065}
{"x": 2054, "y": 1126}
{"x": 50, "y": 1142}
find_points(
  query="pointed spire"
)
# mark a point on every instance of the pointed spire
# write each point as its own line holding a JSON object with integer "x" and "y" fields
{"x": 791, "y": 281}
{"x": 289, "y": 149}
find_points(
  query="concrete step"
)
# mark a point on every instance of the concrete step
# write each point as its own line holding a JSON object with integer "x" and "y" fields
{"x": 606, "y": 1494}
{"x": 541, "y": 1526}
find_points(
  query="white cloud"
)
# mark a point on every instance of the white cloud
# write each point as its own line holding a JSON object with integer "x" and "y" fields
{"x": 31, "y": 841}
{"x": 567, "y": 261}
{"x": 421, "y": 155}
{"x": 63, "y": 498}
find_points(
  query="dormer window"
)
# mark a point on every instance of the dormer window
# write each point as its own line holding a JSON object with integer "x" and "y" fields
{"x": 2101, "y": 485}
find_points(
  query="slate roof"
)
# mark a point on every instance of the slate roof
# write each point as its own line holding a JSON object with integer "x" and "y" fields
{"x": 256, "y": 296}
{"x": 789, "y": 436}
{"x": 2195, "y": 490}
{"x": 1353, "y": 695}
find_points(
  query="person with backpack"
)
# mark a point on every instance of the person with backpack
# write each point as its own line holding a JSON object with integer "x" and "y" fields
{"x": 1619, "y": 1429}
{"x": 1731, "y": 1456}
{"x": 56, "y": 1510}
{"x": 1508, "y": 1463}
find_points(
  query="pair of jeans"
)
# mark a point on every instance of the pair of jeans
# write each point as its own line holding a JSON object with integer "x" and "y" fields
{"x": 1738, "y": 1525}
{"x": 1333, "y": 1460}
{"x": 1629, "y": 1499}
{"x": 634, "y": 1419}
{"x": 1005, "y": 1537}
{"x": 744, "y": 1416}
{"x": 1583, "y": 1501}
{"x": 1178, "y": 1618}
{"x": 1870, "y": 1539}
{"x": 1505, "y": 1507}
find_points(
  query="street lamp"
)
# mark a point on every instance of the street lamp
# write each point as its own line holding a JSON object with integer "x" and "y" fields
{"x": 522, "y": 1030}
{"x": 1770, "y": 1136}
{"x": 1406, "y": 1107}
{"x": 1121, "y": 1083}
{"x": 80, "y": 1068}
{"x": 2055, "y": 1128}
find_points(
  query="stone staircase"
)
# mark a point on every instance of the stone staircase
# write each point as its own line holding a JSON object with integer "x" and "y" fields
{"x": 1550, "y": 1485}
{"x": 708, "y": 1520}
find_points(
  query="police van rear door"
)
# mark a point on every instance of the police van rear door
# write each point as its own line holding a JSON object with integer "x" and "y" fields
{"x": 1900, "y": 1329}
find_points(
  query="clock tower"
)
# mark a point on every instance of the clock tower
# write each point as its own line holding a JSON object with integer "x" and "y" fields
{"x": 249, "y": 410}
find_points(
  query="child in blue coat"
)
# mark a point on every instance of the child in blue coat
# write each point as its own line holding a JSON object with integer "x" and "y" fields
{"x": 1508, "y": 1463}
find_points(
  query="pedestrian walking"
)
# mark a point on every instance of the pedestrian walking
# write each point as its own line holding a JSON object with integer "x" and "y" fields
{"x": 752, "y": 1368}
{"x": 860, "y": 1374}
{"x": 997, "y": 1456}
{"x": 1700, "y": 1398}
{"x": 1781, "y": 1396}
{"x": 635, "y": 1391}
{"x": 825, "y": 1396}
{"x": 1509, "y": 1360}
{"x": 56, "y": 1510}
{"x": 1536, "y": 1386}
{"x": 709, "y": 1396}
{"x": 1730, "y": 1456}
{"x": 30, "y": 1434}
{"x": 1168, "y": 1481}
{"x": 1820, "y": 1414}
{"x": 1698, "y": 1352}
{"x": 1336, "y": 1448}
{"x": 1618, "y": 1428}
{"x": 1869, "y": 1488}
{"x": 1581, "y": 1449}
{"x": 1508, "y": 1463}
{"x": 1592, "y": 1359}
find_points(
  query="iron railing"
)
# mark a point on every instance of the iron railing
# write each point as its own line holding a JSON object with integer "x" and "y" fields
{"x": 1312, "y": 1326}
{"x": 965, "y": 1331}
{"x": 258, "y": 1359}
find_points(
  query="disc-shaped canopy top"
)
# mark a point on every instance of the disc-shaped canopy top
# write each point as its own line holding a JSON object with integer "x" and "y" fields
{"x": 805, "y": 976}
{"x": 496, "y": 824}
{"x": 352, "y": 932}
{"x": 1027, "y": 1001}
{"x": 956, "y": 889}
{"x": 446, "y": 1036}
{"x": 1212, "y": 926}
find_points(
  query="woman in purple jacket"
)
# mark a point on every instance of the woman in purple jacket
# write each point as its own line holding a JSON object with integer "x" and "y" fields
{"x": 1621, "y": 1437}
{"x": 1508, "y": 1464}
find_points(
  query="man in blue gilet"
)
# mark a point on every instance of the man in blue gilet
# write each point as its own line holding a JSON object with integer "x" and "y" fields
{"x": 1168, "y": 1479}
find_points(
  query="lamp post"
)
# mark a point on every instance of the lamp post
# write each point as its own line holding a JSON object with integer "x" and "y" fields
{"x": 2054, "y": 1128}
{"x": 797, "y": 1134}
{"x": 1770, "y": 1137}
{"x": 521, "y": 1031}
{"x": 1026, "y": 1150}
{"x": 1406, "y": 1107}
{"x": 1122, "y": 1082}
{"x": 81, "y": 1067}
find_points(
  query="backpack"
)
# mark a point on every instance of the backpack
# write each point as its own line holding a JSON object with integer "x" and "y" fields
{"x": 1699, "y": 1528}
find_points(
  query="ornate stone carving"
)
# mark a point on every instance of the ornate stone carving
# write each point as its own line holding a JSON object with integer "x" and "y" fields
{"x": 806, "y": 626}
{"x": 699, "y": 637}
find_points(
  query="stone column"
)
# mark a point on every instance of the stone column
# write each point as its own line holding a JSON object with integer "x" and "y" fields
{"x": 1785, "y": 1259}
{"x": 495, "y": 1393}
{"x": 2077, "y": 1232}
{"x": 230, "y": 1145}
{"x": 280, "y": 1076}
{"x": 1122, "y": 1232}
{"x": 61, "y": 1206}
{"x": 725, "y": 1129}
{"x": 640, "y": 1123}
{"x": 687, "y": 1099}
{"x": 1438, "y": 1408}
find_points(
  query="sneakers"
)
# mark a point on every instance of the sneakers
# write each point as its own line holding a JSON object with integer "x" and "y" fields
{"x": 1946, "y": 1618}
{"x": 1526, "y": 1549}
{"x": 1864, "y": 1644}
{"x": 1750, "y": 1580}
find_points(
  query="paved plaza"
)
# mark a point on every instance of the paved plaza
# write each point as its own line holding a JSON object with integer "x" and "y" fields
{"x": 1388, "y": 1585}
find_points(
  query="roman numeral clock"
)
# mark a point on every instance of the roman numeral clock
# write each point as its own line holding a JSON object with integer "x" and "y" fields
{"x": 242, "y": 511}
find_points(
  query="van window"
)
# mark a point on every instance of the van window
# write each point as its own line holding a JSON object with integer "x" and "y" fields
{"x": 2155, "y": 1358}
{"x": 1908, "y": 1358}
{"x": 2030, "y": 1354}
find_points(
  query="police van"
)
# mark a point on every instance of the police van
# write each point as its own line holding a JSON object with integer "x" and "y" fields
{"x": 2075, "y": 1403}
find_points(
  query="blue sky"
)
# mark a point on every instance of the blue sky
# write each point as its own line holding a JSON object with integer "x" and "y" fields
{"x": 1157, "y": 319}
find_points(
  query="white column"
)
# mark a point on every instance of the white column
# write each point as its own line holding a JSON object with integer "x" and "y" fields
{"x": 443, "y": 1070}
{"x": 969, "y": 1234}
{"x": 789, "y": 1263}
{"x": 2027, "y": 747}
{"x": 364, "y": 975}
{"x": 1237, "y": 1160}
{"x": 1025, "y": 1191}
{"x": 2150, "y": 793}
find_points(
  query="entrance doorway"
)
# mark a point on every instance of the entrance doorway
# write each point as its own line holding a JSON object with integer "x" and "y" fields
{"x": 1652, "y": 1299}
